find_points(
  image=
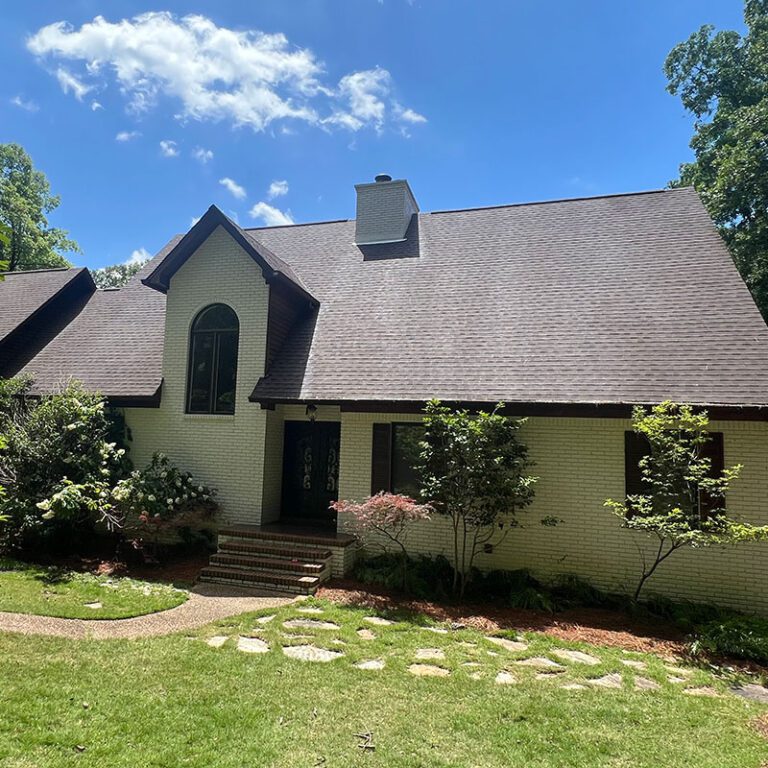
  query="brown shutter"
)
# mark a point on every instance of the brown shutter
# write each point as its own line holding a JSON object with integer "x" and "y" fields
{"x": 635, "y": 448}
{"x": 714, "y": 450}
{"x": 381, "y": 458}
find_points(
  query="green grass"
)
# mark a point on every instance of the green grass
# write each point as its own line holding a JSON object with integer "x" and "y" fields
{"x": 175, "y": 701}
{"x": 43, "y": 591}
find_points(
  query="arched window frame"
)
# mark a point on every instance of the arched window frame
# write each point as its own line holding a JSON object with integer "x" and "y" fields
{"x": 218, "y": 335}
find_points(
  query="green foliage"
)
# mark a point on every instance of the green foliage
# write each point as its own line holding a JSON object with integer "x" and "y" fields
{"x": 117, "y": 275}
{"x": 679, "y": 480}
{"x": 25, "y": 200}
{"x": 58, "y": 466}
{"x": 722, "y": 79}
{"x": 428, "y": 578}
{"x": 736, "y": 636}
{"x": 473, "y": 469}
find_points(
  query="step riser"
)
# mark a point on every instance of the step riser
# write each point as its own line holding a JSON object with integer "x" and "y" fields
{"x": 269, "y": 564}
{"x": 260, "y": 585}
{"x": 308, "y": 552}
{"x": 270, "y": 551}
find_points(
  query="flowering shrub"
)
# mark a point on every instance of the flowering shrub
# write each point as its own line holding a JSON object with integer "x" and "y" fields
{"x": 389, "y": 514}
{"x": 161, "y": 499}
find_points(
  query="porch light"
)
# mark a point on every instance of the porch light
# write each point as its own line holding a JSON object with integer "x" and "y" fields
{"x": 311, "y": 412}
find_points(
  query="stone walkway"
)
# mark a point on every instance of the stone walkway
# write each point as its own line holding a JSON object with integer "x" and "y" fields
{"x": 206, "y": 603}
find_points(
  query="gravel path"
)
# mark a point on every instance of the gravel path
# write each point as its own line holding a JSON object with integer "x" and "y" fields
{"x": 206, "y": 603}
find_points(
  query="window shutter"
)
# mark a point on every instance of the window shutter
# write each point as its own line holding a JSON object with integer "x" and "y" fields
{"x": 381, "y": 458}
{"x": 635, "y": 448}
{"x": 714, "y": 450}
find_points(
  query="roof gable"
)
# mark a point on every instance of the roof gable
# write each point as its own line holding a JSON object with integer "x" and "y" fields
{"x": 273, "y": 268}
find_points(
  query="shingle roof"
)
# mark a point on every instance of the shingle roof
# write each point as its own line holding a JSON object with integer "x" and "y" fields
{"x": 24, "y": 293}
{"x": 621, "y": 299}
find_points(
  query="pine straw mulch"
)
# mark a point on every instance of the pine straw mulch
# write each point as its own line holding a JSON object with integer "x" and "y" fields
{"x": 760, "y": 724}
{"x": 588, "y": 625}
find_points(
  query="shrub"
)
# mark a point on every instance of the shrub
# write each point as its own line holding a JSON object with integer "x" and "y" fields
{"x": 58, "y": 466}
{"x": 428, "y": 578}
{"x": 743, "y": 637}
{"x": 389, "y": 514}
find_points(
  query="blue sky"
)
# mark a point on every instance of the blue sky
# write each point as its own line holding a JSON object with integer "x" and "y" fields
{"x": 273, "y": 109}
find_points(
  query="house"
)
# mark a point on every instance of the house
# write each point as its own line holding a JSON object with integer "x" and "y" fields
{"x": 288, "y": 366}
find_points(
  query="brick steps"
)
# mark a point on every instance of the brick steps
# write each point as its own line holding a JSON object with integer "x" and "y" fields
{"x": 285, "y": 562}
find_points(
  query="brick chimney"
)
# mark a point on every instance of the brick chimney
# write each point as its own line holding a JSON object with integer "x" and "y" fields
{"x": 384, "y": 210}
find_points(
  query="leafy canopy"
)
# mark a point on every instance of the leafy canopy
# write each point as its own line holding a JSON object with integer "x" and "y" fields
{"x": 26, "y": 240}
{"x": 474, "y": 471}
{"x": 684, "y": 505}
{"x": 722, "y": 79}
{"x": 116, "y": 275}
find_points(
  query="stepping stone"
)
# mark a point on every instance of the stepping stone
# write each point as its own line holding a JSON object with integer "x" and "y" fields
{"x": 314, "y": 611}
{"x": 644, "y": 684}
{"x": 251, "y": 645}
{"x": 366, "y": 634}
{"x": 470, "y": 664}
{"x": 310, "y": 653}
{"x": 634, "y": 663}
{"x": 465, "y": 644}
{"x": 492, "y": 653}
{"x": 372, "y": 664}
{"x": 538, "y": 661}
{"x": 574, "y": 687}
{"x": 428, "y": 670}
{"x": 575, "y": 656}
{"x": 93, "y": 606}
{"x": 678, "y": 671}
{"x": 427, "y": 654}
{"x": 309, "y": 624}
{"x": 607, "y": 681}
{"x": 705, "y": 690}
{"x": 290, "y": 636}
{"x": 752, "y": 691}
{"x": 477, "y": 675}
{"x": 673, "y": 679}
{"x": 217, "y": 640}
{"x": 265, "y": 619}
{"x": 437, "y": 630}
{"x": 504, "y": 678}
{"x": 508, "y": 645}
{"x": 336, "y": 641}
{"x": 378, "y": 621}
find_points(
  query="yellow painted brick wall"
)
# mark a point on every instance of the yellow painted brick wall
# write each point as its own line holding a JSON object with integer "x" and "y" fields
{"x": 223, "y": 451}
{"x": 580, "y": 463}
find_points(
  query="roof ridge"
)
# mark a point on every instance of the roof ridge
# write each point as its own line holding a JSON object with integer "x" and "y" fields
{"x": 560, "y": 200}
{"x": 45, "y": 269}
{"x": 296, "y": 224}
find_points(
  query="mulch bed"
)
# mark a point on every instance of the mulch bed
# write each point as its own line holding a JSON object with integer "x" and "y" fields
{"x": 588, "y": 625}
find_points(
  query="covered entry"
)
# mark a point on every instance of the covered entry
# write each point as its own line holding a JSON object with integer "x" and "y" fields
{"x": 310, "y": 472}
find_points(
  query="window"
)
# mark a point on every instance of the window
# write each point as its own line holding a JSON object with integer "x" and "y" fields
{"x": 395, "y": 453}
{"x": 636, "y": 447}
{"x": 213, "y": 361}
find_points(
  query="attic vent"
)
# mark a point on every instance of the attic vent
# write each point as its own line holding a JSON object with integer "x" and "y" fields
{"x": 384, "y": 210}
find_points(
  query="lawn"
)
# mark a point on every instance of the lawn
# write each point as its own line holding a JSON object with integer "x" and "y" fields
{"x": 180, "y": 701}
{"x": 26, "y": 588}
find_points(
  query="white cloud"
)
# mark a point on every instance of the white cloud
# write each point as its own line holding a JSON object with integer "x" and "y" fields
{"x": 203, "y": 155}
{"x": 69, "y": 82}
{"x": 246, "y": 77}
{"x": 269, "y": 215}
{"x": 277, "y": 189}
{"x": 127, "y": 135}
{"x": 168, "y": 148}
{"x": 409, "y": 115}
{"x": 26, "y": 104}
{"x": 137, "y": 256}
{"x": 194, "y": 220}
{"x": 232, "y": 186}
{"x": 95, "y": 105}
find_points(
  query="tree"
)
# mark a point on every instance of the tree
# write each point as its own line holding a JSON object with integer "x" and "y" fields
{"x": 117, "y": 275}
{"x": 389, "y": 514}
{"x": 473, "y": 469}
{"x": 25, "y": 200}
{"x": 722, "y": 79}
{"x": 684, "y": 505}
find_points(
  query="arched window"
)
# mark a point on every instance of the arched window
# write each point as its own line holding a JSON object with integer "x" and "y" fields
{"x": 213, "y": 361}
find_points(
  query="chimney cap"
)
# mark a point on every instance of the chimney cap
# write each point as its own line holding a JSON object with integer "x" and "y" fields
{"x": 379, "y": 177}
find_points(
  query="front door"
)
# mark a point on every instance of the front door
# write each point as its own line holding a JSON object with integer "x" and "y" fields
{"x": 310, "y": 471}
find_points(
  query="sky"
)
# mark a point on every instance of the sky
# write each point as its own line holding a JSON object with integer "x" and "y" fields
{"x": 144, "y": 114}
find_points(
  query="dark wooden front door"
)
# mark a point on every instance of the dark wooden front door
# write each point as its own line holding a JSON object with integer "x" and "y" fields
{"x": 310, "y": 471}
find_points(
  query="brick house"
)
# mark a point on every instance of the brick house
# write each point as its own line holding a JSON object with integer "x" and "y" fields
{"x": 288, "y": 366}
